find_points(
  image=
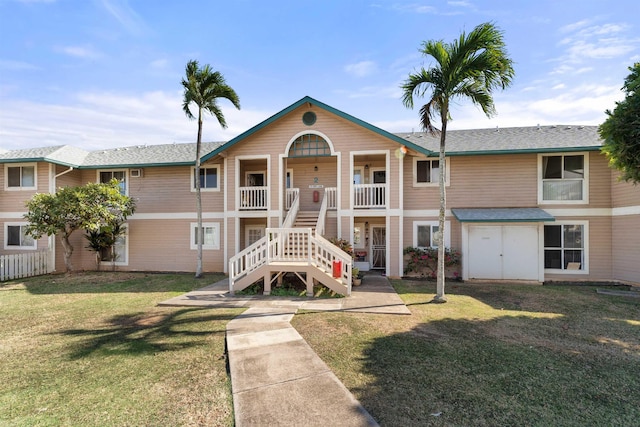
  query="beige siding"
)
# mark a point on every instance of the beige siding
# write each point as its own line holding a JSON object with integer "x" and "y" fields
{"x": 625, "y": 238}
{"x": 393, "y": 250}
{"x": 599, "y": 181}
{"x": 623, "y": 193}
{"x": 479, "y": 181}
{"x": 165, "y": 246}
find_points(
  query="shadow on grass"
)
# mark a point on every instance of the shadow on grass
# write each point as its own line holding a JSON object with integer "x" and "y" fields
{"x": 146, "y": 333}
{"x": 504, "y": 371}
{"x": 112, "y": 282}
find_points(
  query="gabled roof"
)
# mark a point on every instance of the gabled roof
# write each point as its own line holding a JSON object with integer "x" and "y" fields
{"x": 148, "y": 155}
{"x": 135, "y": 156}
{"x": 314, "y": 102}
{"x": 66, "y": 155}
{"x": 533, "y": 139}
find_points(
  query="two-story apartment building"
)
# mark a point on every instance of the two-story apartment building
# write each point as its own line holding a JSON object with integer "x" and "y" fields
{"x": 536, "y": 203}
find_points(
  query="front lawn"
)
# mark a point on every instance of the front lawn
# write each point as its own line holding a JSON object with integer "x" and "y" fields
{"x": 493, "y": 355}
{"x": 93, "y": 349}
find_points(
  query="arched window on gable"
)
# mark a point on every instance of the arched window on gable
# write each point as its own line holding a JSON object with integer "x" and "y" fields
{"x": 309, "y": 145}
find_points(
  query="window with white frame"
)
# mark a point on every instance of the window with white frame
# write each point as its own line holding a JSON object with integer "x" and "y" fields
{"x": 425, "y": 234}
{"x": 253, "y": 233}
{"x": 118, "y": 254}
{"x": 426, "y": 172}
{"x": 16, "y": 237}
{"x": 20, "y": 176}
{"x": 209, "y": 235}
{"x": 105, "y": 176}
{"x": 565, "y": 247}
{"x": 563, "y": 178}
{"x": 209, "y": 178}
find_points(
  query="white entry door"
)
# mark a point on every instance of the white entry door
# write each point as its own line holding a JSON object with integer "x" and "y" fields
{"x": 503, "y": 252}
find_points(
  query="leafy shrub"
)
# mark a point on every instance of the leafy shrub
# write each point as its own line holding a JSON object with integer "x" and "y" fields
{"x": 424, "y": 261}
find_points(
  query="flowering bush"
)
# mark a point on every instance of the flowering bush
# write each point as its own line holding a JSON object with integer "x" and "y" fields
{"x": 424, "y": 261}
{"x": 342, "y": 244}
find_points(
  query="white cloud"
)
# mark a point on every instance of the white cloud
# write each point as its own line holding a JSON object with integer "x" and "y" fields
{"x": 559, "y": 86}
{"x": 159, "y": 63}
{"x": 8, "y": 64}
{"x": 383, "y": 92}
{"x": 105, "y": 120}
{"x": 126, "y": 16}
{"x": 85, "y": 52}
{"x": 361, "y": 69}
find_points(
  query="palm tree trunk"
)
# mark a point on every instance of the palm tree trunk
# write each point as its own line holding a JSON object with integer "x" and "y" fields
{"x": 199, "y": 233}
{"x": 440, "y": 296}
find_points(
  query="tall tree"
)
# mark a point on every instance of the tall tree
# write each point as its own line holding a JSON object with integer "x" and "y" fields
{"x": 470, "y": 67}
{"x": 621, "y": 130}
{"x": 203, "y": 87}
{"x": 90, "y": 207}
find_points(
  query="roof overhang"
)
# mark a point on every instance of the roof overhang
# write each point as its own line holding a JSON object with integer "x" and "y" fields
{"x": 502, "y": 215}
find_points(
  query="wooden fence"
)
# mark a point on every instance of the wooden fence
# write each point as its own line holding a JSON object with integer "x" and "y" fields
{"x": 17, "y": 266}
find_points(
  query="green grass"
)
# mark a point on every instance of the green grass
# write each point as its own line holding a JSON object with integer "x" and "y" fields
{"x": 493, "y": 355}
{"x": 93, "y": 349}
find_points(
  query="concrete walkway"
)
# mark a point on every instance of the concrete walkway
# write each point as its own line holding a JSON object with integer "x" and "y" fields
{"x": 276, "y": 378}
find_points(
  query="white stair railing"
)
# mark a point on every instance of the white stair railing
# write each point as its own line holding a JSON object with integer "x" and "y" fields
{"x": 326, "y": 254}
{"x": 294, "y": 207}
{"x": 248, "y": 260}
{"x": 291, "y": 195}
{"x": 291, "y": 245}
{"x": 322, "y": 216}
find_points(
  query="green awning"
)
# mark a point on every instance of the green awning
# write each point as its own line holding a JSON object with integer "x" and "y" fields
{"x": 502, "y": 215}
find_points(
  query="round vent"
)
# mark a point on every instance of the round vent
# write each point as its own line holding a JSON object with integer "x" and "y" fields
{"x": 309, "y": 118}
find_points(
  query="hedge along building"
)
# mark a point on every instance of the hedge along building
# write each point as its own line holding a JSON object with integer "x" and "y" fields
{"x": 532, "y": 203}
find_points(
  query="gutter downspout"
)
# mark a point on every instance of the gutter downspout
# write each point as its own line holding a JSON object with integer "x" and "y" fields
{"x": 52, "y": 239}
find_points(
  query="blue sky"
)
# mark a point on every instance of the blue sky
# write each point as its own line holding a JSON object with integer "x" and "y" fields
{"x": 106, "y": 73}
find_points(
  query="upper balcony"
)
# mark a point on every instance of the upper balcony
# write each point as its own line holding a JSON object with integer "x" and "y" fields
{"x": 369, "y": 187}
{"x": 370, "y": 196}
{"x": 253, "y": 198}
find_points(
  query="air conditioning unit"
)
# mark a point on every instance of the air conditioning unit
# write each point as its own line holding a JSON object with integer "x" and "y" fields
{"x": 135, "y": 173}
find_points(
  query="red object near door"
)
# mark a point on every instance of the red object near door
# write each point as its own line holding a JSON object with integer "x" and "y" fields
{"x": 316, "y": 196}
{"x": 337, "y": 269}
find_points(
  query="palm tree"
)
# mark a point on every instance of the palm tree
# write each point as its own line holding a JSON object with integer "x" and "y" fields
{"x": 471, "y": 66}
{"x": 203, "y": 87}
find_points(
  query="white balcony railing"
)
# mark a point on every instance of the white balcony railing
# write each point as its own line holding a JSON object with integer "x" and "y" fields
{"x": 369, "y": 196}
{"x": 253, "y": 198}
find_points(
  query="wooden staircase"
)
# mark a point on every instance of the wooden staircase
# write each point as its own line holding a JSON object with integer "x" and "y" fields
{"x": 294, "y": 247}
{"x": 306, "y": 219}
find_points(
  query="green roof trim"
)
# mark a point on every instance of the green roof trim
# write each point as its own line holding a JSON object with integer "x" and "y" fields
{"x": 312, "y": 101}
{"x": 502, "y": 215}
{"x": 523, "y": 151}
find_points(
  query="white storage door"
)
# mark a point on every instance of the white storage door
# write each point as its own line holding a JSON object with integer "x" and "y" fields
{"x": 504, "y": 252}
